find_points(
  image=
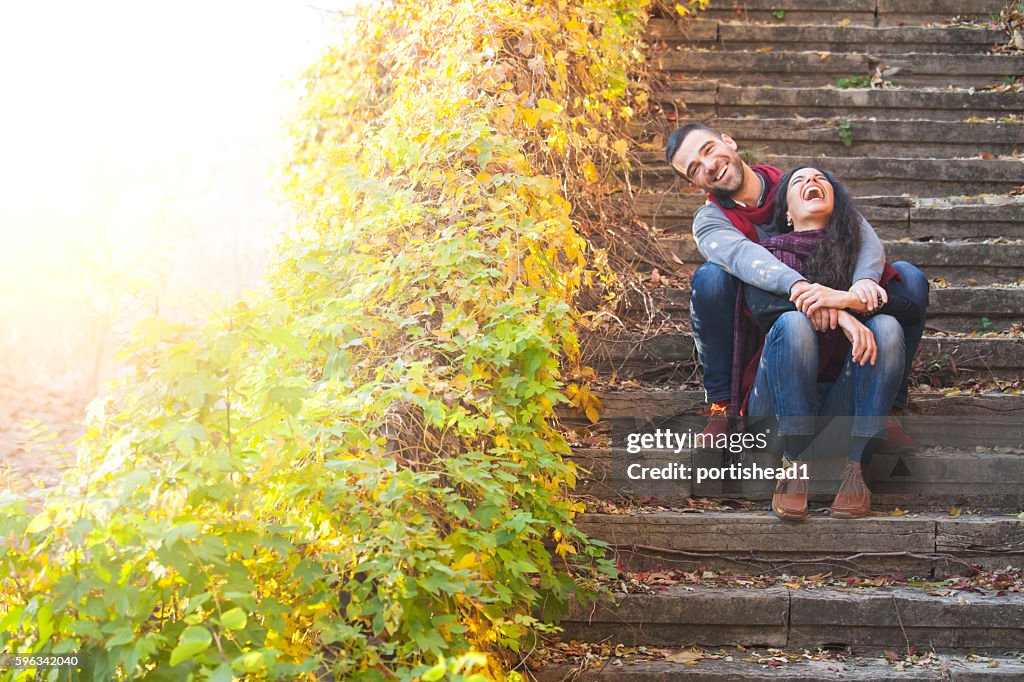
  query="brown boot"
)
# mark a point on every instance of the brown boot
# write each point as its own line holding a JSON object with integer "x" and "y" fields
{"x": 896, "y": 442}
{"x": 717, "y": 426}
{"x": 790, "y": 499}
{"x": 853, "y": 499}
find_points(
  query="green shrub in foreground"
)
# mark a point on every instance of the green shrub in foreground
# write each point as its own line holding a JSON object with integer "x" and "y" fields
{"x": 355, "y": 470}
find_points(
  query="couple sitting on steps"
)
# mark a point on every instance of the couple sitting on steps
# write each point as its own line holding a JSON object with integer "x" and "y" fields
{"x": 796, "y": 315}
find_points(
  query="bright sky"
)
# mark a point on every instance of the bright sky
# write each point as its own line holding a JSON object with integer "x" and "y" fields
{"x": 136, "y": 140}
{"x": 115, "y": 91}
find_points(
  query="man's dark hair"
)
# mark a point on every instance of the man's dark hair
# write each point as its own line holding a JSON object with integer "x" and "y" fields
{"x": 675, "y": 140}
{"x": 832, "y": 262}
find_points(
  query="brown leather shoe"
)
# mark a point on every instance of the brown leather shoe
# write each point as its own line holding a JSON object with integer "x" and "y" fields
{"x": 853, "y": 499}
{"x": 897, "y": 442}
{"x": 790, "y": 499}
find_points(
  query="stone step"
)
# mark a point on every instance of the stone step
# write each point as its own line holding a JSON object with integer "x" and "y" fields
{"x": 956, "y": 262}
{"x": 871, "y": 137}
{"x": 931, "y": 479}
{"x": 696, "y": 97}
{"x": 630, "y": 406}
{"x": 729, "y": 35}
{"x": 752, "y": 664}
{"x": 672, "y": 355}
{"x": 823, "y": 68}
{"x": 873, "y": 176}
{"x": 967, "y": 309}
{"x": 922, "y": 545}
{"x": 899, "y": 12}
{"x": 864, "y": 12}
{"x": 952, "y": 309}
{"x": 866, "y": 619}
{"x": 985, "y": 217}
{"x": 653, "y": 403}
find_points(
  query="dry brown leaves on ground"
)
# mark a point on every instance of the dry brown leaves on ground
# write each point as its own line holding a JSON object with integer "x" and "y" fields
{"x": 650, "y": 582}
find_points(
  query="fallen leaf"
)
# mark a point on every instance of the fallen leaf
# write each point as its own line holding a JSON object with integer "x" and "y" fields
{"x": 689, "y": 657}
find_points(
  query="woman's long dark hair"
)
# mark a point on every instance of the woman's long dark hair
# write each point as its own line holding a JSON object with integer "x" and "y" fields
{"x": 833, "y": 261}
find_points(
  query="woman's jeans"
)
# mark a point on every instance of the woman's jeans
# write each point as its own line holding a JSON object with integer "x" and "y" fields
{"x": 858, "y": 403}
{"x": 712, "y": 301}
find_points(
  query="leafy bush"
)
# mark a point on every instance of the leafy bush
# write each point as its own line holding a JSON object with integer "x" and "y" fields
{"x": 356, "y": 470}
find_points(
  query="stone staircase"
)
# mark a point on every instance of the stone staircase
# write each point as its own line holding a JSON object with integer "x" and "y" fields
{"x": 933, "y": 158}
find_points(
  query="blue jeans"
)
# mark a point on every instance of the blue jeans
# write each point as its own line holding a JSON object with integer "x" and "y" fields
{"x": 917, "y": 289}
{"x": 787, "y": 380}
{"x": 712, "y": 297}
{"x": 712, "y": 301}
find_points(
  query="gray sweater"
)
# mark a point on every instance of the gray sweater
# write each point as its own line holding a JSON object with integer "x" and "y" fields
{"x": 722, "y": 244}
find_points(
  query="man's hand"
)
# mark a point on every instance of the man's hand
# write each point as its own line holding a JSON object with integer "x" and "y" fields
{"x": 870, "y": 295}
{"x": 798, "y": 288}
{"x": 813, "y": 297}
{"x": 864, "y": 348}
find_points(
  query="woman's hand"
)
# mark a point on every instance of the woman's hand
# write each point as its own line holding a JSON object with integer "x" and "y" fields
{"x": 864, "y": 349}
{"x": 824, "y": 319}
{"x": 869, "y": 296}
{"x": 808, "y": 299}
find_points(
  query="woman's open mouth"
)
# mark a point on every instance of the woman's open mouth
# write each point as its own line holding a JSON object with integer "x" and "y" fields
{"x": 813, "y": 193}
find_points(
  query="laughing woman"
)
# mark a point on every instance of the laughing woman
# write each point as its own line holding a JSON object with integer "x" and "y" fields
{"x": 823, "y": 355}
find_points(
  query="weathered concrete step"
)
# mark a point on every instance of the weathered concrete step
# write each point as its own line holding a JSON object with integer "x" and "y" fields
{"x": 954, "y": 309}
{"x": 822, "y": 68}
{"x": 624, "y": 409}
{"x": 927, "y": 545}
{"x": 731, "y": 35}
{"x": 994, "y": 216}
{"x": 794, "y": 11}
{"x": 933, "y": 479}
{"x": 866, "y": 12}
{"x": 868, "y": 619}
{"x": 955, "y": 262}
{"x": 642, "y": 404}
{"x": 964, "y": 309}
{"x": 899, "y": 12}
{"x": 745, "y": 666}
{"x": 698, "y": 97}
{"x": 877, "y": 176}
{"x": 665, "y": 355}
{"x": 872, "y": 138}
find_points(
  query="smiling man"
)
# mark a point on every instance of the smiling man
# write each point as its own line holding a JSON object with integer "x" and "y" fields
{"x": 727, "y": 230}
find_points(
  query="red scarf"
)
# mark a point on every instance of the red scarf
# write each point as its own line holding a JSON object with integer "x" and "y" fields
{"x": 747, "y": 218}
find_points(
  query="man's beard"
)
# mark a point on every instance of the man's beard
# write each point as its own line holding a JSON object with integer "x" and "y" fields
{"x": 727, "y": 192}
